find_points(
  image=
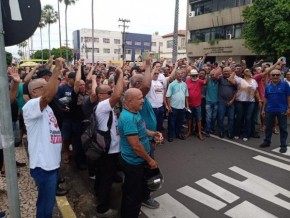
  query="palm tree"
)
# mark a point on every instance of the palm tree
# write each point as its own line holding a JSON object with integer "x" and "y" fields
{"x": 22, "y": 47}
{"x": 40, "y": 26}
{"x": 67, "y": 3}
{"x": 50, "y": 17}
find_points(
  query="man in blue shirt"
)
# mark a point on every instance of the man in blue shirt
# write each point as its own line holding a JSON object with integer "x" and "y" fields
{"x": 135, "y": 152}
{"x": 277, "y": 104}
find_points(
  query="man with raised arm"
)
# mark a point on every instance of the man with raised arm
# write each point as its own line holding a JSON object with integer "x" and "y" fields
{"x": 44, "y": 139}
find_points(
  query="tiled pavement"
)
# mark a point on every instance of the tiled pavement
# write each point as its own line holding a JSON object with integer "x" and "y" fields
{"x": 26, "y": 186}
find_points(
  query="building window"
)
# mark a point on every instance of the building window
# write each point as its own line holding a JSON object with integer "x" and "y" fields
{"x": 128, "y": 51}
{"x": 117, "y": 41}
{"x": 106, "y": 50}
{"x": 82, "y": 39}
{"x": 169, "y": 44}
{"x": 117, "y": 51}
{"x": 97, "y": 50}
{"x": 217, "y": 33}
{"x": 106, "y": 40}
{"x": 128, "y": 42}
{"x": 137, "y": 51}
{"x": 147, "y": 44}
{"x": 137, "y": 43}
{"x": 153, "y": 44}
{"x": 96, "y": 40}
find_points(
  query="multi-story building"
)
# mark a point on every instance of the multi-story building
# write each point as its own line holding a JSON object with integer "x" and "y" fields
{"x": 108, "y": 45}
{"x": 215, "y": 27}
{"x": 162, "y": 45}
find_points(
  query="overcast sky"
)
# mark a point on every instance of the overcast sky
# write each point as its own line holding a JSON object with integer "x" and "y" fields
{"x": 146, "y": 16}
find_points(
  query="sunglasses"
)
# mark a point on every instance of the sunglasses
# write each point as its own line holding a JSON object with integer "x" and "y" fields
{"x": 156, "y": 73}
{"x": 108, "y": 92}
{"x": 194, "y": 75}
{"x": 275, "y": 74}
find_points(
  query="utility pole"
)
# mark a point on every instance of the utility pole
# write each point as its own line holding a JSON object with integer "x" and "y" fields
{"x": 124, "y": 21}
{"x": 93, "y": 35}
{"x": 175, "y": 34}
{"x": 7, "y": 132}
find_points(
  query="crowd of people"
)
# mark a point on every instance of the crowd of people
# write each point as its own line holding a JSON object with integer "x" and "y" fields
{"x": 199, "y": 98}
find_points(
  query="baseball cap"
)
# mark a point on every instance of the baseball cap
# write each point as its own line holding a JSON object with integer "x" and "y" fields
{"x": 193, "y": 72}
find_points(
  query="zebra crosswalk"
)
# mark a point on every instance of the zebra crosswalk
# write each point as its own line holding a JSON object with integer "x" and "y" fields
{"x": 225, "y": 202}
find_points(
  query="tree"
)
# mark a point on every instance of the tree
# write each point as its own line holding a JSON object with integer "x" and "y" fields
{"x": 40, "y": 26}
{"x": 67, "y": 3}
{"x": 8, "y": 58}
{"x": 54, "y": 51}
{"x": 50, "y": 17}
{"x": 22, "y": 47}
{"x": 267, "y": 28}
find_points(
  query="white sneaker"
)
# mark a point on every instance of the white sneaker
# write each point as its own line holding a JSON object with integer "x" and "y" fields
{"x": 245, "y": 139}
{"x": 236, "y": 137}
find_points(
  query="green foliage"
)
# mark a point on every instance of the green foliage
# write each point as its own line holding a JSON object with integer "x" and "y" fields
{"x": 267, "y": 27}
{"x": 55, "y": 52}
{"x": 8, "y": 58}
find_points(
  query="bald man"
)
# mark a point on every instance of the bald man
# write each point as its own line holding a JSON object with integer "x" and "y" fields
{"x": 44, "y": 139}
{"x": 135, "y": 152}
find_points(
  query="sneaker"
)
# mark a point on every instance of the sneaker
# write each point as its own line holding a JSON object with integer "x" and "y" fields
{"x": 108, "y": 214}
{"x": 92, "y": 177}
{"x": 151, "y": 203}
{"x": 264, "y": 145}
{"x": 283, "y": 150}
{"x": 245, "y": 139}
{"x": 236, "y": 137}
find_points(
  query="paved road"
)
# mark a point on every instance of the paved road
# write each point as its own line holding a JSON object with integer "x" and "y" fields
{"x": 222, "y": 178}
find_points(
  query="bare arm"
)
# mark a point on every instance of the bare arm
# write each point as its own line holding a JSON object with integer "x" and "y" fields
{"x": 118, "y": 89}
{"x": 232, "y": 79}
{"x": 146, "y": 85}
{"x": 78, "y": 78}
{"x": 30, "y": 74}
{"x": 52, "y": 84}
{"x": 93, "y": 96}
{"x": 268, "y": 70}
{"x": 50, "y": 62}
{"x": 12, "y": 73}
{"x": 140, "y": 151}
{"x": 89, "y": 76}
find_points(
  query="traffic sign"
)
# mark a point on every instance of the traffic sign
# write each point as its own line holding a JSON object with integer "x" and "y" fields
{"x": 20, "y": 19}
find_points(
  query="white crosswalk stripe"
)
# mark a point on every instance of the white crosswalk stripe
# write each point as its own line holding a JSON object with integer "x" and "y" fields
{"x": 277, "y": 151}
{"x": 257, "y": 186}
{"x": 247, "y": 210}
{"x": 217, "y": 190}
{"x": 272, "y": 162}
{"x": 202, "y": 198}
{"x": 169, "y": 208}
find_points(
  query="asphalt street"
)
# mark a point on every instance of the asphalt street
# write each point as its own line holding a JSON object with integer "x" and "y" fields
{"x": 222, "y": 178}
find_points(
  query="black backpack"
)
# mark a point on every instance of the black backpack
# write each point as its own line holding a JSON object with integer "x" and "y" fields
{"x": 95, "y": 142}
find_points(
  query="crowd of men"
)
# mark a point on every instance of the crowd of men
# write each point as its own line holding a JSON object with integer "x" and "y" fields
{"x": 131, "y": 102}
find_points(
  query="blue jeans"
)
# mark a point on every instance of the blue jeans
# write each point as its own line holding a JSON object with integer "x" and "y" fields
{"x": 211, "y": 113}
{"x": 175, "y": 121}
{"x": 282, "y": 122}
{"x": 223, "y": 110}
{"x": 46, "y": 182}
{"x": 244, "y": 118}
{"x": 159, "y": 114}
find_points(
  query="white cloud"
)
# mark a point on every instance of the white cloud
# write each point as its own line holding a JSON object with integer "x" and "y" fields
{"x": 146, "y": 17}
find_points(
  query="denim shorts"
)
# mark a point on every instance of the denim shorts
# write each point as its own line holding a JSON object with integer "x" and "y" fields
{"x": 195, "y": 113}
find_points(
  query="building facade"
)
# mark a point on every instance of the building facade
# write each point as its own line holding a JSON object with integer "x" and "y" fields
{"x": 108, "y": 45}
{"x": 215, "y": 27}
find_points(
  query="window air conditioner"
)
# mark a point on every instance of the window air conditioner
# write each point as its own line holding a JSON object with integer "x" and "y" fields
{"x": 192, "y": 14}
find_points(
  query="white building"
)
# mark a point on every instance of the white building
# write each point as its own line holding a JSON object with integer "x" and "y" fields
{"x": 107, "y": 45}
{"x": 162, "y": 45}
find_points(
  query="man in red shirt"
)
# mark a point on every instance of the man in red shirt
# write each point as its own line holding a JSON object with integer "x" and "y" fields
{"x": 194, "y": 85}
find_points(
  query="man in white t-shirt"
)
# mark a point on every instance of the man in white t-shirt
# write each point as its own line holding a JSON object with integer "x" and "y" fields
{"x": 107, "y": 165}
{"x": 44, "y": 139}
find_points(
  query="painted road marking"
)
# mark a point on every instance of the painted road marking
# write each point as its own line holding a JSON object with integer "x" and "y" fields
{"x": 202, "y": 198}
{"x": 246, "y": 210}
{"x": 273, "y": 162}
{"x": 169, "y": 208}
{"x": 277, "y": 151}
{"x": 217, "y": 190}
{"x": 64, "y": 207}
{"x": 257, "y": 186}
{"x": 250, "y": 148}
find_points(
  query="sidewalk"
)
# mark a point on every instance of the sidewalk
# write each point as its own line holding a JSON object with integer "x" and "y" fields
{"x": 26, "y": 186}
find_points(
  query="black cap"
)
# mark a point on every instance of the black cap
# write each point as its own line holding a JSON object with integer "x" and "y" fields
{"x": 43, "y": 72}
{"x": 72, "y": 75}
